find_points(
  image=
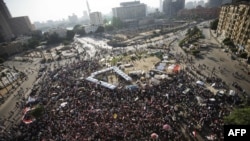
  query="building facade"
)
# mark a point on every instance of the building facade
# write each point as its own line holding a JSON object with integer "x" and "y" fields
{"x": 12, "y": 26}
{"x": 171, "y": 7}
{"x": 21, "y": 25}
{"x": 214, "y": 3}
{"x": 130, "y": 10}
{"x": 5, "y": 29}
{"x": 199, "y": 13}
{"x": 234, "y": 23}
{"x": 96, "y": 18}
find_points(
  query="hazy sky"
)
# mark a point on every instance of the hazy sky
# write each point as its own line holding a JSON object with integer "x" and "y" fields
{"x": 43, "y": 10}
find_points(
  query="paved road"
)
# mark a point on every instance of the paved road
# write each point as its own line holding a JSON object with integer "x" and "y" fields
{"x": 9, "y": 105}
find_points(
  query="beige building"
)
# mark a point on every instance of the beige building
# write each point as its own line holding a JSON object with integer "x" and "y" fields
{"x": 234, "y": 23}
{"x": 130, "y": 10}
{"x": 96, "y": 18}
{"x": 21, "y": 25}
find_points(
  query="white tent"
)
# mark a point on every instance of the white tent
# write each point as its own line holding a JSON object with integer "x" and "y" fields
{"x": 64, "y": 104}
{"x": 232, "y": 92}
{"x": 200, "y": 82}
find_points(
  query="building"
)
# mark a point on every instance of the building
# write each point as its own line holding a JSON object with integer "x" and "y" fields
{"x": 190, "y": 5}
{"x": 90, "y": 28}
{"x": 85, "y": 15}
{"x": 21, "y": 25}
{"x": 226, "y": 1}
{"x": 201, "y": 3}
{"x": 161, "y": 5}
{"x": 73, "y": 18}
{"x": 96, "y": 18}
{"x": 234, "y": 23}
{"x": 214, "y": 3}
{"x": 61, "y": 32}
{"x": 5, "y": 29}
{"x": 199, "y": 13}
{"x": 130, "y": 10}
{"x": 171, "y": 7}
{"x": 12, "y": 26}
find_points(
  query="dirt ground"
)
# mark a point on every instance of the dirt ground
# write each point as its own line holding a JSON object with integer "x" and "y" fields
{"x": 144, "y": 64}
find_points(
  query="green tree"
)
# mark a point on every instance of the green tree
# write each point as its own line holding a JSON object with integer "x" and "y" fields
{"x": 1, "y": 60}
{"x": 214, "y": 24}
{"x": 117, "y": 23}
{"x": 37, "y": 34}
{"x": 1, "y": 39}
{"x": 105, "y": 21}
{"x": 33, "y": 43}
{"x": 38, "y": 111}
{"x": 228, "y": 42}
{"x": 100, "y": 29}
{"x": 243, "y": 55}
{"x": 53, "y": 38}
{"x": 70, "y": 35}
{"x": 109, "y": 27}
{"x": 239, "y": 116}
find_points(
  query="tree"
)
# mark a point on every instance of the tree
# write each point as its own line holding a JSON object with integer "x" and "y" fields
{"x": 38, "y": 111}
{"x": 76, "y": 27}
{"x": 1, "y": 39}
{"x": 117, "y": 23}
{"x": 33, "y": 43}
{"x": 70, "y": 35}
{"x": 37, "y": 34}
{"x": 243, "y": 55}
{"x": 53, "y": 38}
{"x": 82, "y": 31}
{"x": 214, "y": 24}
{"x": 239, "y": 116}
{"x": 105, "y": 21}
{"x": 109, "y": 27}
{"x": 100, "y": 29}
{"x": 1, "y": 60}
{"x": 228, "y": 42}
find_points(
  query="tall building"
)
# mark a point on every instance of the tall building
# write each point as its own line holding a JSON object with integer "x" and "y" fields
{"x": 214, "y": 3}
{"x": 5, "y": 29}
{"x": 73, "y": 18}
{"x": 85, "y": 15}
{"x": 21, "y": 25}
{"x": 171, "y": 7}
{"x": 201, "y": 3}
{"x": 96, "y": 18}
{"x": 234, "y": 23}
{"x": 200, "y": 13}
{"x": 130, "y": 10}
{"x": 4, "y": 10}
{"x": 226, "y": 1}
{"x": 190, "y": 5}
{"x": 161, "y": 4}
{"x": 12, "y": 26}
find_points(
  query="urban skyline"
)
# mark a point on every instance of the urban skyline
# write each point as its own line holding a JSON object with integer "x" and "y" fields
{"x": 45, "y": 10}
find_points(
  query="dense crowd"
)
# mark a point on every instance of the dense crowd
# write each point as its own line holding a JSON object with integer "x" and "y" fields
{"x": 78, "y": 110}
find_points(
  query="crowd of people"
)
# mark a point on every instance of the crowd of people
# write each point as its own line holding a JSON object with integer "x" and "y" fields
{"x": 78, "y": 110}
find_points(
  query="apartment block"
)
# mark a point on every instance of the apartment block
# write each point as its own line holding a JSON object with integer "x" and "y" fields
{"x": 234, "y": 23}
{"x": 130, "y": 10}
{"x": 96, "y": 18}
